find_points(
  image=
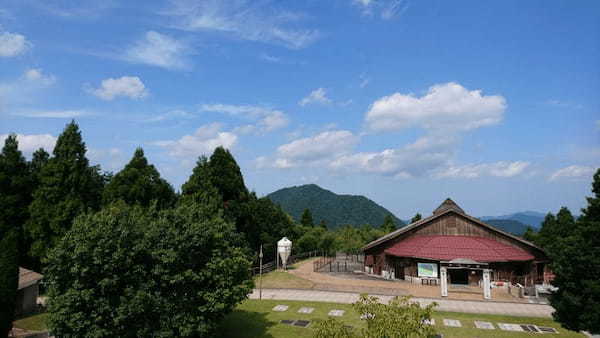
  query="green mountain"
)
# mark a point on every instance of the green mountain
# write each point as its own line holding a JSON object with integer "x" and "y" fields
{"x": 509, "y": 225}
{"x": 531, "y": 218}
{"x": 336, "y": 210}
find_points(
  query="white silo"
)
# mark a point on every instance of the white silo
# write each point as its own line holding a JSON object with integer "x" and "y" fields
{"x": 284, "y": 248}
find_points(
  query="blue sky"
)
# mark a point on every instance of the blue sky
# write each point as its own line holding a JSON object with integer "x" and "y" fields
{"x": 407, "y": 102}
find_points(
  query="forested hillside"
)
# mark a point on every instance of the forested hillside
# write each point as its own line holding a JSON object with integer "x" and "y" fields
{"x": 529, "y": 218}
{"x": 334, "y": 209}
{"x": 508, "y": 225}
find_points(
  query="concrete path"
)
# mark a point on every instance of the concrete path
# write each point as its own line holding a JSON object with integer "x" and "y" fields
{"x": 489, "y": 307}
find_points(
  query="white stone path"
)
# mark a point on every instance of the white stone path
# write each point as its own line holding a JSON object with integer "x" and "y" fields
{"x": 468, "y": 306}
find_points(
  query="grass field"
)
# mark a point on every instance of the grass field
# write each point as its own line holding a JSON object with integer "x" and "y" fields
{"x": 282, "y": 279}
{"x": 35, "y": 322}
{"x": 255, "y": 318}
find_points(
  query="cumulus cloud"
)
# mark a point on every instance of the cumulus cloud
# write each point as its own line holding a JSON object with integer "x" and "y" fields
{"x": 312, "y": 150}
{"x": 125, "y": 86}
{"x": 13, "y": 44}
{"x": 267, "y": 119}
{"x": 318, "y": 95}
{"x": 573, "y": 172}
{"x": 497, "y": 169}
{"x": 204, "y": 140}
{"x": 447, "y": 106}
{"x": 37, "y": 76}
{"x": 248, "y": 20}
{"x": 159, "y": 50}
{"x": 30, "y": 143}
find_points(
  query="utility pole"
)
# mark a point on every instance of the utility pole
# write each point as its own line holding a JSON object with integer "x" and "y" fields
{"x": 260, "y": 255}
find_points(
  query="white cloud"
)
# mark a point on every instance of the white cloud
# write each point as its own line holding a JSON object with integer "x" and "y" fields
{"x": 385, "y": 9}
{"x": 112, "y": 158}
{"x": 204, "y": 140}
{"x": 447, "y": 106}
{"x": 159, "y": 50}
{"x": 125, "y": 86}
{"x": 267, "y": 119}
{"x": 318, "y": 95}
{"x": 13, "y": 44}
{"x": 30, "y": 143}
{"x": 37, "y": 76}
{"x": 497, "y": 169}
{"x": 248, "y": 20}
{"x": 573, "y": 172}
{"x": 60, "y": 114}
{"x": 310, "y": 150}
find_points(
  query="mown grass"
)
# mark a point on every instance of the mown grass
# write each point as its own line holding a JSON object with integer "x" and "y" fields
{"x": 35, "y": 322}
{"x": 282, "y": 279}
{"x": 255, "y": 318}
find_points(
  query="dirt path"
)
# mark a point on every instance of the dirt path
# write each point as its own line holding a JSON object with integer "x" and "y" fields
{"x": 324, "y": 281}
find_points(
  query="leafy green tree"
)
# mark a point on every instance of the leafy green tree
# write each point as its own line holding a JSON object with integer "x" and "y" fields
{"x": 200, "y": 180}
{"x": 132, "y": 272}
{"x": 306, "y": 219}
{"x": 323, "y": 224}
{"x": 388, "y": 224}
{"x": 15, "y": 189}
{"x": 68, "y": 186}
{"x": 38, "y": 160}
{"x": 349, "y": 239}
{"x": 226, "y": 176}
{"x": 530, "y": 235}
{"x": 400, "y": 318}
{"x": 139, "y": 183}
{"x": 576, "y": 267}
{"x": 554, "y": 230}
{"x": 9, "y": 279}
{"x": 416, "y": 218}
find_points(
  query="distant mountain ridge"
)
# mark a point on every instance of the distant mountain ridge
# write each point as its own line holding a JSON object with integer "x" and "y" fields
{"x": 336, "y": 210}
{"x": 531, "y": 218}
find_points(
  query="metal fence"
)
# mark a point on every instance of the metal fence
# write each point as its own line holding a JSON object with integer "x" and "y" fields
{"x": 340, "y": 262}
{"x": 270, "y": 266}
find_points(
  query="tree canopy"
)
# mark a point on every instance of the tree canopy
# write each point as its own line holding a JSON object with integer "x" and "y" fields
{"x": 127, "y": 272}
{"x": 574, "y": 251}
{"x": 68, "y": 186}
{"x": 417, "y": 217}
{"x": 306, "y": 219}
{"x": 388, "y": 224}
{"x": 139, "y": 183}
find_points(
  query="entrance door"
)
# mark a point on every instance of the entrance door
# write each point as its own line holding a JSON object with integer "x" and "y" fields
{"x": 459, "y": 276}
{"x": 398, "y": 270}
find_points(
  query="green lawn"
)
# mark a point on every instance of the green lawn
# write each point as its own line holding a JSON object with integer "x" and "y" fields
{"x": 282, "y": 279}
{"x": 35, "y": 322}
{"x": 255, "y": 318}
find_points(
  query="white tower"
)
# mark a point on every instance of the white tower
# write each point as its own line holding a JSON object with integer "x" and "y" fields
{"x": 284, "y": 248}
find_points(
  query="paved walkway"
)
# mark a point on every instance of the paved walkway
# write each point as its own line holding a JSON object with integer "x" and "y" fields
{"x": 489, "y": 307}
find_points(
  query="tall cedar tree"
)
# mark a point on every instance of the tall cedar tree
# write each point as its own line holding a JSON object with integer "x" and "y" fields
{"x": 15, "y": 196}
{"x": 139, "y": 183}
{"x": 577, "y": 267}
{"x": 388, "y": 224}
{"x": 306, "y": 219}
{"x": 416, "y": 218}
{"x": 259, "y": 220}
{"x": 9, "y": 279}
{"x": 68, "y": 186}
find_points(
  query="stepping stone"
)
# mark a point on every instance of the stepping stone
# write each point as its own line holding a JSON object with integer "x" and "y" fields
{"x": 280, "y": 308}
{"x": 510, "y": 327}
{"x": 336, "y": 313}
{"x": 429, "y": 321}
{"x": 302, "y": 323}
{"x": 484, "y": 325}
{"x": 287, "y": 321}
{"x": 367, "y": 316}
{"x": 546, "y": 329}
{"x": 529, "y": 328}
{"x": 306, "y": 310}
{"x": 452, "y": 323}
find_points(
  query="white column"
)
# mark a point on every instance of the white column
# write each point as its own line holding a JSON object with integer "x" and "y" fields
{"x": 487, "y": 291}
{"x": 444, "y": 281}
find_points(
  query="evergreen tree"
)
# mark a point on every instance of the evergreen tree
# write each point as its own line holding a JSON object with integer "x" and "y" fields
{"x": 323, "y": 224}
{"x": 307, "y": 219}
{"x": 68, "y": 186}
{"x": 139, "y": 183}
{"x": 555, "y": 229}
{"x": 416, "y": 218}
{"x": 38, "y": 161}
{"x": 388, "y": 224}
{"x": 200, "y": 180}
{"x": 226, "y": 176}
{"x": 577, "y": 267}
{"x": 9, "y": 279}
{"x": 530, "y": 235}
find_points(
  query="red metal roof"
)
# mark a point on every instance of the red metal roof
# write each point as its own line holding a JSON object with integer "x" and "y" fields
{"x": 447, "y": 248}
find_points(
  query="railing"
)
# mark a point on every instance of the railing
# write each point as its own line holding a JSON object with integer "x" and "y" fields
{"x": 341, "y": 262}
{"x": 270, "y": 266}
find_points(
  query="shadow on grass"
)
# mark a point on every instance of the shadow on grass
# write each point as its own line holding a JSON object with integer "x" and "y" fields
{"x": 240, "y": 324}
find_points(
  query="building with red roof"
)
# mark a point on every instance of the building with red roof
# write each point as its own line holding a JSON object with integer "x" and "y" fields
{"x": 462, "y": 245}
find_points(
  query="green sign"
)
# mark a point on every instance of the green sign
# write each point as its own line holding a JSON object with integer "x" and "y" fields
{"x": 427, "y": 270}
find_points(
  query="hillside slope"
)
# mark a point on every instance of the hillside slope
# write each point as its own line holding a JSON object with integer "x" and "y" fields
{"x": 508, "y": 225}
{"x": 335, "y": 209}
{"x": 531, "y": 218}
